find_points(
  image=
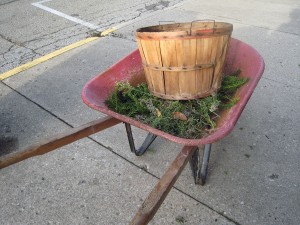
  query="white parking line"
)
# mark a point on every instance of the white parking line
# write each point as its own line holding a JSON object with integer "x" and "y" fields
{"x": 71, "y": 18}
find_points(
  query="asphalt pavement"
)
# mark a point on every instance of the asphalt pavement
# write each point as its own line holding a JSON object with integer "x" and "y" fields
{"x": 253, "y": 175}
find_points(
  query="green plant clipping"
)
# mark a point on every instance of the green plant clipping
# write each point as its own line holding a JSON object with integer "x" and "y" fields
{"x": 180, "y": 219}
{"x": 186, "y": 119}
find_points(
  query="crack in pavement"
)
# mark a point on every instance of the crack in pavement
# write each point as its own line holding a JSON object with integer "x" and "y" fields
{"x": 6, "y": 3}
{"x": 44, "y": 35}
{"x": 3, "y": 58}
{"x": 14, "y": 43}
{"x": 16, "y": 60}
{"x": 57, "y": 40}
{"x": 131, "y": 7}
{"x": 280, "y": 82}
{"x": 9, "y": 49}
{"x": 10, "y": 40}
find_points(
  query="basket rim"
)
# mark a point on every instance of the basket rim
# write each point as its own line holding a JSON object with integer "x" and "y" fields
{"x": 184, "y": 30}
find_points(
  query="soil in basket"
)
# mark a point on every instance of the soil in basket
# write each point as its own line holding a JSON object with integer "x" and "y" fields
{"x": 187, "y": 119}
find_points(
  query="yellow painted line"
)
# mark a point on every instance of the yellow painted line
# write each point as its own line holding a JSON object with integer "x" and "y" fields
{"x": 45, "y": 58}
{"x": 51, "y": 55}
{"x": 106, "y": 32}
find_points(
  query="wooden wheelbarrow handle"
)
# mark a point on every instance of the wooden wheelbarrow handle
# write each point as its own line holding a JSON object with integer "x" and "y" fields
{"x": 59, "y": 140}
{"x": 152, "y": 203}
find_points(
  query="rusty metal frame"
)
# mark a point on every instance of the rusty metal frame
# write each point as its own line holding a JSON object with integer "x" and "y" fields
{"x": 146, "y": 144}
{"x": 199, "y": 165}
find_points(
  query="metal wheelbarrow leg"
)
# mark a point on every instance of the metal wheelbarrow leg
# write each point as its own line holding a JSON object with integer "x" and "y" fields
{"x": 141, "y": 150}
{"x": 199, "y": 167}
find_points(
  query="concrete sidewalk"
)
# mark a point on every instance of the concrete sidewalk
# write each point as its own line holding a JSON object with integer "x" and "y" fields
{"x": 253, "y": 173}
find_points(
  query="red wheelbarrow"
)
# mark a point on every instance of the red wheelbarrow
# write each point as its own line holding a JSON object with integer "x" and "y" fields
{"x": 95, "y": 92}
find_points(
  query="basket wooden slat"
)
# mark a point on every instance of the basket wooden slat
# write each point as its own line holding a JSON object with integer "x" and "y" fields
{"x": 169, "y": 59}
{"x": 186, "y": 54}
{"x": 147, "y": 71}
{"x": 152, "y": 57}
{"x": 220, "y": 58}
{"x": 204, "y": 76}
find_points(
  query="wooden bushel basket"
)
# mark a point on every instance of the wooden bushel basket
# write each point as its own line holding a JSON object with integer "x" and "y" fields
{"x": 184, "y": 60}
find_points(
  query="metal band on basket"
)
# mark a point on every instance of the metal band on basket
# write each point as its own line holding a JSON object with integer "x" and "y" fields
{"x": 181, "y": 68}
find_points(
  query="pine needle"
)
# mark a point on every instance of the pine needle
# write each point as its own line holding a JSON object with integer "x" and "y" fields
{"x": 187, "y": 119}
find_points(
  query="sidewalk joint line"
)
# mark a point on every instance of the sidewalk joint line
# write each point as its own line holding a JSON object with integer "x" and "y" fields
{"x": 209, "y": 207}
{"x": 37, "y": 104}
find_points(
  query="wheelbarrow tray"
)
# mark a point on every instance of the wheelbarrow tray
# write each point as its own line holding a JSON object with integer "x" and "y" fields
{"x": 240, "y": 56}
